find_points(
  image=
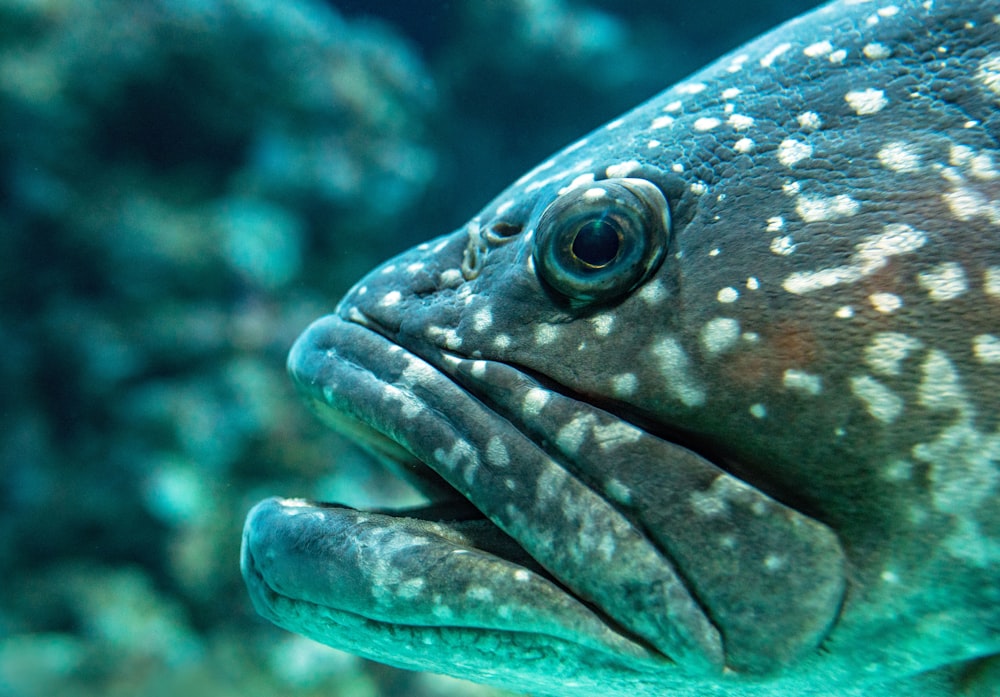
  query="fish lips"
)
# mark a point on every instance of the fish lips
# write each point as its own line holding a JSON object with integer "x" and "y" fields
{"x": 647, "y": 551}
{"x": 614, "y": 587}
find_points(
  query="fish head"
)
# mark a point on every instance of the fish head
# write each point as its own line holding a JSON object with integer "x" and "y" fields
{"x": 719, "y": 378}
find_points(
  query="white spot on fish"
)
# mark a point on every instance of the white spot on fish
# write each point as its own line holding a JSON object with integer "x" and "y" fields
{"x": 838, "y": 56}
{"x": 792, "y": 151}
{"x": 534, "y": 401}
{"x": 743, "y": 145}
{"x": 810, "y": 121}
{"x": 504, "y": 207}
{"x": 662, "y": 122}
{"x": 624, "y": 385}
{"x": 776, "y": 223}
{"x": 739, "y": 122}
{"x": 603, "y": 323}
{"x": 820, "y": 48}
{"x": 819, "y": 208}
{"x": 783, "y": 246}
{"x": 991, "y": 281}
{"x": 753, "y": 283}
{"x": 614, "y": 434}
{"x": 450, "y": 278}
{"x": 482, "y": 319}
{"x": 801, "y": 381}
{"x": 876, "y": 51}
{"x": 622, "y": 169}
{"x": 730, "y": 92}
{"x": 986, "y": 349}
{"x": 844, "y": 312}
{"x": 618, "y": 491}
{"x": 758, "y": 411}
{"x": 496, "y": 453}
{"x": 882, "y": 403}
{"x": 479, "y": 593}
{"x": 899, "y": 157}
{"x": 502, "y": 341}
{"x": 653, "y": 293}
{"x": 675, "y": 368}
{"x": 868, "y": 101}
{"x": 940, "y": 387}
{"x": 461, "y": 452}
{"x": 719, "y": 334}
{"x": 768, "y": 60}
{"x": 706, "y": 123}
{"x": 727, "y": 295}
{"x": 391, "y": 298}
{"x": 577, "y": 182}
{"x": 736, "y": 64}
{"x": 546, "y": 334}
{"x": 887, "y": 351}
{"x": 886, "y": 303}
{"x": 449, "y": 337}
{"x": 945, "y": 281}
{"x": 966, "y": 203}
{"x": 988, "y": 73}
{"x": 691, "y": 87}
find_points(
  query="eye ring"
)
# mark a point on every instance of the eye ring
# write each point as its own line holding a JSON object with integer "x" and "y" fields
{"x": 599, "y": 241}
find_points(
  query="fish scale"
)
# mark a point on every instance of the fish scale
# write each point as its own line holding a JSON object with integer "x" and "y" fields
{"x": 725, "y": 369}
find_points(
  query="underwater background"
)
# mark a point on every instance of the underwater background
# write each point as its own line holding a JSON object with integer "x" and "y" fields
{"x": 184, "y": 186}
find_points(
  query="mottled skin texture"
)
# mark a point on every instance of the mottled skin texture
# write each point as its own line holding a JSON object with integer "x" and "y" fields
{"x": 822, "y": 335}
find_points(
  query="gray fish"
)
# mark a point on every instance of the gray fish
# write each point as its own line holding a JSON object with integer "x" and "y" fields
{"x": 721, "y": 382}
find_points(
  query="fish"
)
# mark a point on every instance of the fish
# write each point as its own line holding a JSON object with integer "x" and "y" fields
{"x": 707, "y": 403}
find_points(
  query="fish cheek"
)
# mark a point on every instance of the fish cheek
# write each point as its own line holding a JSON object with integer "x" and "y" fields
{"x": 771, "y": 579}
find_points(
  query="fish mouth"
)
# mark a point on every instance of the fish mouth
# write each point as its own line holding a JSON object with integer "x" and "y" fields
{"x": 528, "y": 541}
{"x": 508, "y": 524}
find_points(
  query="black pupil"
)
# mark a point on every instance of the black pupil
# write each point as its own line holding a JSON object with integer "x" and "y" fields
{"x": 596, "y": 243}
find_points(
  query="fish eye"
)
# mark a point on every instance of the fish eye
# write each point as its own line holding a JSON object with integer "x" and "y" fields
{"x": 602, "y": 239}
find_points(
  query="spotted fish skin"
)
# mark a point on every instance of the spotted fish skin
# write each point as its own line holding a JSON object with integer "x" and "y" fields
{"x": 767, "y": 464}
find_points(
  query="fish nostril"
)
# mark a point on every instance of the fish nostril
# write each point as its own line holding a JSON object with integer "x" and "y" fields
{"x": 503, "y": 230}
